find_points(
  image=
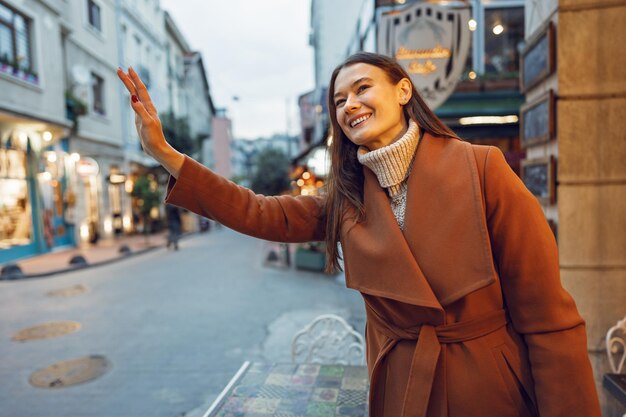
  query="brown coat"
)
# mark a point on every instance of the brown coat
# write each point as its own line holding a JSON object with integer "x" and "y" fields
{"x": 474, "y": 274}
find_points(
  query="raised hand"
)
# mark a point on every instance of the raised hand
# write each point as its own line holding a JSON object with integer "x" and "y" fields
{"x": 148, "y": 124}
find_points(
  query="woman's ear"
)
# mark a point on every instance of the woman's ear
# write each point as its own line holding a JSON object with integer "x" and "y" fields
{"x": 405, "y": 91}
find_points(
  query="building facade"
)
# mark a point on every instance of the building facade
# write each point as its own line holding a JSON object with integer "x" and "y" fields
{"x": 97, "y": 141}
{"x": 69, "y": 151}
{"x": 201, "y": 109}
{"x": 484, "y": 107}
{"x": 332, "y": 26}
{"x": 34, "y": 129}
{"x": 222, "y": 144}
{"x": 574, "y": 118}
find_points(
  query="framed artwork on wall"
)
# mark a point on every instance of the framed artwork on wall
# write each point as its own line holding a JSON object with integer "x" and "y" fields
{"x": 537, "y": 120}
{"x": 538, "y": 58}
{"x": 539, "y": 177}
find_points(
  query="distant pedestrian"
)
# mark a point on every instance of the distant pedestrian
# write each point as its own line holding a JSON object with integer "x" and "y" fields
{"x": 174, "y": 225}
{"x": 456, "y": 263}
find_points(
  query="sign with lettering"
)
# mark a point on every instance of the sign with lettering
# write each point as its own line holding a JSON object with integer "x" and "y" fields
{"x": 538, "y": 58}
{"x": 537, "y": 120}
{"x": 538, "y": 175}
{"x": 431, "y": 43}
{"x": 87, "y": 167}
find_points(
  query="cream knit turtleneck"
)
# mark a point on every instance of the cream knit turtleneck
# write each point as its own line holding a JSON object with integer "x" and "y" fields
{"x": 392, "y": 166}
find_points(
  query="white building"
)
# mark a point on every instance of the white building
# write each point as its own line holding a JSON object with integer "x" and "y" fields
{"x": 33, "y": 129}
{"x": 176, "y": 48}
{"x": 142, "y": 46}
{"x": 91, "y": 54}
{"x": 200, "y": 106}
{"x": 332, "y": 26}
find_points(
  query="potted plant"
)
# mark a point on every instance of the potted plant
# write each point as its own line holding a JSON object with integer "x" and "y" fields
{"x": 311, "y": 256}
{"x": 148, "y": 198}
{"x": 6, "y": 65}
{"x": 74, "y": 107}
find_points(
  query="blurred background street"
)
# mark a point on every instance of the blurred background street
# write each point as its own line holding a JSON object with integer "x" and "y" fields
{"x": 175, "y": 326}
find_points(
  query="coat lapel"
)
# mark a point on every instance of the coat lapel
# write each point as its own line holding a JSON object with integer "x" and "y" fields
{"x": 445, "y": 224}
{"x": 444, "y": 252}
{"x": 377, "y": 259}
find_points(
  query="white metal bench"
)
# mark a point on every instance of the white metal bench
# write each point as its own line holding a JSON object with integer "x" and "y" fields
{"x": 616, "y": 346}
{"x": 328, "y": 339}
{"x": 616, "y": 351}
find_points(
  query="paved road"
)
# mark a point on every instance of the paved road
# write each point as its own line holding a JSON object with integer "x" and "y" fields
{"x": 175, "y": 326}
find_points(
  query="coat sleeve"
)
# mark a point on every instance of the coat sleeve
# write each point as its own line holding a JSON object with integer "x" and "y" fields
{"x": 526, "y": 256}
{"x": 276, "y": 218}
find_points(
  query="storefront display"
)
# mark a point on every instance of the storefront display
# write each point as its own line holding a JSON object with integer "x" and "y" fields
{"x": 15, "y": 206}
{"x": 51, "y": 180}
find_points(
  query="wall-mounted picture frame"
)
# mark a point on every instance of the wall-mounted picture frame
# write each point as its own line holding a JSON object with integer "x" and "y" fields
{"x": 538, "y": 59}
{"x": 539, "y": 176}
{"x": 538, "y": 120}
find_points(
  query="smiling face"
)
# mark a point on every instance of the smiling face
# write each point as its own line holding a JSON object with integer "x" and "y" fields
{"x": 369, "y": 107}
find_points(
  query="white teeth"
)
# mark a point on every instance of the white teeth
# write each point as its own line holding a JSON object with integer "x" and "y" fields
{"x": 359, "y": 120}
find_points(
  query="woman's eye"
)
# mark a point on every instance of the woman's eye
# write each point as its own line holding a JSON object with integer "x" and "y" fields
{"x": 362, "y": 88}
{"x": 339, "y": 102}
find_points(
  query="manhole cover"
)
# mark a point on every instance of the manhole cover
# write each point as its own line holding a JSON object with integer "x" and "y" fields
{"x": 68, "y": 292}
{"x": 47, "y": 331}
{"x": 70, "y": 372}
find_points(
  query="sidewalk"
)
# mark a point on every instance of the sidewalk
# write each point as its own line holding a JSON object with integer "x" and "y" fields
{"x": 106, "y": 251}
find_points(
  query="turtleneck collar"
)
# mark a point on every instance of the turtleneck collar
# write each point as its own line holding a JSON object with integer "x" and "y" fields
{"x": 391, "y": 163}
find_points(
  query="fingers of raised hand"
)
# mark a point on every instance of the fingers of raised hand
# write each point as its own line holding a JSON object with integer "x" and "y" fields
{"x": 136, "y": 88}
{"x": 142, "y": 91}
{"x": 145, "y": 118}
{"x": 128, "y": 83}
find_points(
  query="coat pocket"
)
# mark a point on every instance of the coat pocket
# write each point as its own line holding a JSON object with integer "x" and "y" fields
{"x": 510, "y": 370}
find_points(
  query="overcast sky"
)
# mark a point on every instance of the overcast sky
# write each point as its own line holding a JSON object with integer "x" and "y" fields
{"x": 255, "y": 50}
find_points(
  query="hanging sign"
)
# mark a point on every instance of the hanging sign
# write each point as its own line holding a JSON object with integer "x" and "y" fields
{"x": 87, "y": 167}
{"x": 431, "y": 43}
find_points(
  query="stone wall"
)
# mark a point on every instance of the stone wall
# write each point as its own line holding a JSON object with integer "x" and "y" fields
{"x": 591, "y": 113}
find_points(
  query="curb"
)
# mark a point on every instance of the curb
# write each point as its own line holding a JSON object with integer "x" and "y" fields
{"x": 81, "y": 267}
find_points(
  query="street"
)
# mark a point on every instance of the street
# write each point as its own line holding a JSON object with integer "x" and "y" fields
{"x": 174, "y": 326}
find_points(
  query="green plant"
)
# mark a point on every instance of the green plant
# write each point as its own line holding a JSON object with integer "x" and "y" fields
{"x": 271, "y": 175}
{"x": 177, "y": 132}
{"x": 148, "y": 197}
{"x": 75, "y": 106}
{"x": 4, "y": 59}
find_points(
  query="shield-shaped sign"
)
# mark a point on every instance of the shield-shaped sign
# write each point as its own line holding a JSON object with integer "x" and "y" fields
{"x": 431, "y": 42}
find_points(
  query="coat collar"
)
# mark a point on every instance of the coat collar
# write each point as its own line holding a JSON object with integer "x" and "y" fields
{"x": 444, "y": 252}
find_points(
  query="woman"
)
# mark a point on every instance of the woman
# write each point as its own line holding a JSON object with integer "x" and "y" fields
{"x": 456, "y": 264}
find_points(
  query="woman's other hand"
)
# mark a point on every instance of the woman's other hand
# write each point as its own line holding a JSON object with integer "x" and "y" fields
{"x": 148, "y": 124}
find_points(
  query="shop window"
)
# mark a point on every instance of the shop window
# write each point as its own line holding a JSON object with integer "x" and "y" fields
{"x": 504, "y": 37}
{"x": 15, "y": 44}
{"x": 97, "y": 85}
{"x": 15, "y": 208}
{"x": 95, "y": 19}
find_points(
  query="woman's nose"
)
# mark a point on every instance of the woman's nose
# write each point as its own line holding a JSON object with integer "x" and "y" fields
{"x": 351, "y": 104}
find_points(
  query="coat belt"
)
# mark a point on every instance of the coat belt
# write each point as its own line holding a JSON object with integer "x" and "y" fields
{"x": 425, "y": 357}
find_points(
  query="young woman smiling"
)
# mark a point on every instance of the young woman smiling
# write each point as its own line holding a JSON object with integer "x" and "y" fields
{"x": 457, "y": 266}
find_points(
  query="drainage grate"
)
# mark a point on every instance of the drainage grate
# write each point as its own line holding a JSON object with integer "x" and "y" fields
{"x": 47, "y": 331}
{"x": 70, "y": 372}
{"x": 68, "y": 292}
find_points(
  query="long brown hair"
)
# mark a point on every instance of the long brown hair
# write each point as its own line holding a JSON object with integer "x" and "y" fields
{"x": 344, "y": 186}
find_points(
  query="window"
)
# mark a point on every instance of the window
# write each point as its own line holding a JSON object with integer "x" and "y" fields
{"x": 504, "y": 36}
{"x": 15, "y": 41}
{"x": 97, "y": 85}
{"x": 15, "y": 208}
{"x": 93, "y": 11}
